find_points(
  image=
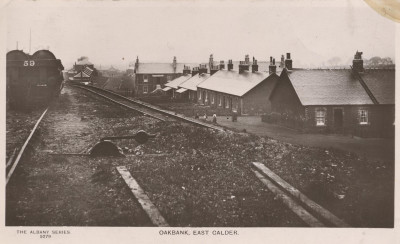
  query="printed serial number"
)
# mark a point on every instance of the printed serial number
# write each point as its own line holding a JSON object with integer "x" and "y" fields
{"x": 45, "y": 236}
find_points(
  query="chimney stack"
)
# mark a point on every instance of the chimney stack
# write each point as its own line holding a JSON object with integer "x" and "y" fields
{"x": 186, "y": 70}
{"x": 174, "y": 64}
{"x": 288, "y": 62}
{"x": 221, "y": 64}
{"x": 195, "y": 71}
{"x": 136, "y": 63}
{"x": 254, "y": 67}
{"x": 211, "y": 61}
{"x": 244, "y": 65}
{"x": 214, "y": 69}
{"x": 358, "y": 63}
{"x": 202, "y": 69}
{"x": 230, "y": 65}
{"x": 282, "y": 65}
{"x": 272, "y": 66}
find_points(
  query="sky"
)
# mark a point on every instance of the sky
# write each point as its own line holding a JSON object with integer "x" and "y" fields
{"x": 115, "y": 32}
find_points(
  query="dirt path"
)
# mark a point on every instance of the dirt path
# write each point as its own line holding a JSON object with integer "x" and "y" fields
{"x": 371, "y": 148}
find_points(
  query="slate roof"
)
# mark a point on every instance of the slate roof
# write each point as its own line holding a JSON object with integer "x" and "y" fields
{"x": 231, "y": 82}
{"x": 176, "y": 82}
{"x": 381, "y": 83}
{"x": 328, "y": 87}
{"x": 192, "y": 83}
{"x": 161, "y": 68}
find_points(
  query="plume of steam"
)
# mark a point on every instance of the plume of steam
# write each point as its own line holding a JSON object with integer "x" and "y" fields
{"x": 83, "y": 58}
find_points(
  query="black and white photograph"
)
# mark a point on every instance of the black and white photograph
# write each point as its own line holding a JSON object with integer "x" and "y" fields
{"x": 199, "y": 120}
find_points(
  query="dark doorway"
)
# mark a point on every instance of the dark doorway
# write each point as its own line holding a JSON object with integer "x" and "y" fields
{"x": 338, "y": 118}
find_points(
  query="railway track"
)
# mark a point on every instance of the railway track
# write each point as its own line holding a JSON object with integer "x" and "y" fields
{"x": 12, "y": 164}
{"x": 311, "y": 213}
{"x": 145, "y": 108}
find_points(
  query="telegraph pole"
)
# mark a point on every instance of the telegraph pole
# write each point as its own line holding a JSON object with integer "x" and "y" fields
{"x": 30, "y": 40}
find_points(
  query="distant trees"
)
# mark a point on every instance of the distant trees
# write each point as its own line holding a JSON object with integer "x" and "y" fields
{"x": 372, "y": 62}
{"x": 375, "y": 61}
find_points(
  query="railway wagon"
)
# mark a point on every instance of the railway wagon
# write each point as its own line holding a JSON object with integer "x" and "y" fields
{"x": 32, "y": 80}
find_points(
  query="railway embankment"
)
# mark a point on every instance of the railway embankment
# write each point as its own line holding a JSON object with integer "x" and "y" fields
{"x": 194, "y": 176}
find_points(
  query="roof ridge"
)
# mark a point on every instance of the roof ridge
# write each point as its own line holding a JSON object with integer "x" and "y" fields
{"x": 366, "y": 88}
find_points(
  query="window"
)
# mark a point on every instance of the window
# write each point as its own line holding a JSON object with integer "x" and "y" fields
{"x": 206, "y": 96}
{"x": 145, "y": 89}
{"x": 320, "y": 116}
{"x": 212, "y": 98}
{"x": 220, "y": 101}
{"x": 145, "y": 79}
{"x": 363, "y": 116}
{"x": 169, "y": 77}
{"x": 199, "y": 95}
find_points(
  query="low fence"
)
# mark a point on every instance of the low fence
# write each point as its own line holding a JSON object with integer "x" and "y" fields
{"x": 285, "y": 121}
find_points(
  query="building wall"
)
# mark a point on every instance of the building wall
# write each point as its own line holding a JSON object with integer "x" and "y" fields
{"x": 380, "y": 120}
{"x": 222, "y": 103}
{"x": 284, "y": 100}
{"x": 287, "y": 110}
{"x": 150, "y": 83}
{"x": 256, "y": 101}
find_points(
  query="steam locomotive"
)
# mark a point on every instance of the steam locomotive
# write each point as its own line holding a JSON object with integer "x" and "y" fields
{"x": 32, "y": 80}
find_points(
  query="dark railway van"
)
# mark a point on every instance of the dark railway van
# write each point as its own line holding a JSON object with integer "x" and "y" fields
{"x": 32, "y": 80}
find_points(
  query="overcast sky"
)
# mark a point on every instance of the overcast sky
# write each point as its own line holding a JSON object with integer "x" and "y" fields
{"x": 116, "y": 32}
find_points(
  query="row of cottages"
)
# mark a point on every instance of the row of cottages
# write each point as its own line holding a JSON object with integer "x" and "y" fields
{"x": 185, "y": 88}
{"x": 172, "y": 86}
{"x": 150, "y": 77}
{"x": 188, "y": 89}
{"x": 348, "y": 101}
{"x": 241, "y": 91}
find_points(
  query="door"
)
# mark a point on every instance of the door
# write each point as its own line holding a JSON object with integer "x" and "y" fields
{"x": 338, "y": 119}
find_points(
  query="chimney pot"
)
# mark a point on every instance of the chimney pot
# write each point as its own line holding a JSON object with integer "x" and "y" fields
{"x": 288, "y": 62}
{"x": 186, "y": 70}
{"x": 358, "y": 62}
{"x": 272, "y": 66}
{"x": 195, "y": 71}
{"x": 221, "y": 65}
{"x": 254, "y": 67}
{"x": 230, "y": 64}
{"x": 214, "y": 69}
{"x": 246, "y": 59}
{"x": 244, "y": 65}
{"x": 203, "y": 69}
